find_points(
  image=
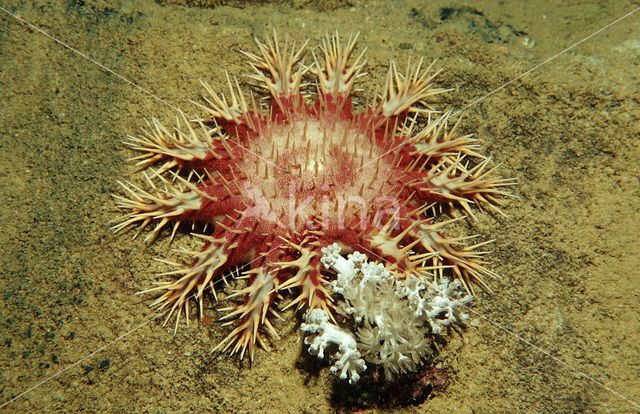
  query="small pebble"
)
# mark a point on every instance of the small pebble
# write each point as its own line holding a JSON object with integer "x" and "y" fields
{"x": 59, "y": 396}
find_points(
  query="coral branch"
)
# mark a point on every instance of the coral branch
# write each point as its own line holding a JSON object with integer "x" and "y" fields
{"x": 349, "y": 363}
{"x": 388, "y": 321}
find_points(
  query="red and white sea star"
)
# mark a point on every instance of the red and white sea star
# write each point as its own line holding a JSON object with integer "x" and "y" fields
{"x": 276, "y": 182}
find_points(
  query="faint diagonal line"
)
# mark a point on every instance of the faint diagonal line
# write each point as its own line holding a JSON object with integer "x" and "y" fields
{"x": 518, "y": 337}
{"x": 515, "y": 79}
{"x": 547, "y": 61}
{"x": 62, "y": 371}
{"x": 106, "y": 69}
{"x": 558, "y": 360}
{"x": 100, "y": 65}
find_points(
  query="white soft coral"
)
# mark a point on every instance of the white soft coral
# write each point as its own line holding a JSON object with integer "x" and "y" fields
{"x": 440, "y": 305}
{"x": 390, "y": 320}
{"x": 349, "y": 364}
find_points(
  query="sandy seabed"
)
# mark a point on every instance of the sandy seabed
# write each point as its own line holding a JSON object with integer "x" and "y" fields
{"x": 559, "y": 333}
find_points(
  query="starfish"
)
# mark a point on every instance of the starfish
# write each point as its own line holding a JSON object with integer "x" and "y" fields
{"x": 274, "y": 180}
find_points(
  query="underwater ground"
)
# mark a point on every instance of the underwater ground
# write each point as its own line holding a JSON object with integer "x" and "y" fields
{"x": 560, "y": 332}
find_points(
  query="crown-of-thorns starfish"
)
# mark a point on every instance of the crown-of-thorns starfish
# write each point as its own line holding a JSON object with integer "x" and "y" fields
{"x": 275, "y": 182}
